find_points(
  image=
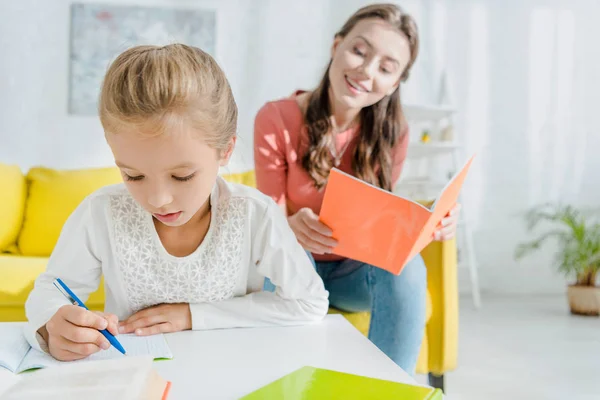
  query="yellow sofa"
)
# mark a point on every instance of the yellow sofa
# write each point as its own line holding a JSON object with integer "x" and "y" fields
{"x": 33, "y": 208}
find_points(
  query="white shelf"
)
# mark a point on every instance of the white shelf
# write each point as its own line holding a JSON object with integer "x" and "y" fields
{"x": 420, "y": 149}
{"x": 422, "y": 160}
{"x": 421, "y": 182}
{"x": 419, "y": 188}
{"x": 420, "y": 113}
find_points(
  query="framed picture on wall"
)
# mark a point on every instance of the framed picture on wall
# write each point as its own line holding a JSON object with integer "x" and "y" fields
{"x": 100, "y": 32}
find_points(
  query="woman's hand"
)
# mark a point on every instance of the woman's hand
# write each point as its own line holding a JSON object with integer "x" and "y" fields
{"x": 313, "y": 235}
{"x": 447, "y": 228}
{"x": 162, "y": 318}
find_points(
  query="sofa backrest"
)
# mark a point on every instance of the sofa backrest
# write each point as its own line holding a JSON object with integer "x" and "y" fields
{"x": 52, "y": 196}
{"x": 13, "y": 191}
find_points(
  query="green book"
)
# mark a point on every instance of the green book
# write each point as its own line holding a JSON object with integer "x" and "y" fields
{"x": 315, "y": 383}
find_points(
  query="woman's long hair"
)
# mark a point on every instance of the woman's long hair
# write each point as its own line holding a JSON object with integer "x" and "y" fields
{"x": 381, "y": 124}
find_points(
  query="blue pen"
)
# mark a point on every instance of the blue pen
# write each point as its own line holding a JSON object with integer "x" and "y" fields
{"x": 64, "y": 289}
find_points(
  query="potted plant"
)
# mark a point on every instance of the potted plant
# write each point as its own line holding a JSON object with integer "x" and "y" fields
{"x": 577, "y": 255}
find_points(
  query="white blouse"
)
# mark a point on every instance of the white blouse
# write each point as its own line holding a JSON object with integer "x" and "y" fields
{"x": 248, "y": 239}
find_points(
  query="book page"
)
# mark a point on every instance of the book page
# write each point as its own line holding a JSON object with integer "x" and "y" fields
{"x": 13, "y": 346}
{"x": 7, "y": 380}
{"x": 155, "y": 346}
{"x": 107, "y": 379}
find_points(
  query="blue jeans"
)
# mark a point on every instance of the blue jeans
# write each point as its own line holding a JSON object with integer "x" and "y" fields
{"x": 397, "y": 303}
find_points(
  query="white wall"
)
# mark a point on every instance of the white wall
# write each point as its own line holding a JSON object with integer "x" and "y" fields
{"x": 527, "y": 100}
{"x": 34, "y": 37}
{"x": 267, "y": 48}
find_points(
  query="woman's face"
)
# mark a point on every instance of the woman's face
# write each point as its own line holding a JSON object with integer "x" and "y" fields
{"x": 367, "y": 64}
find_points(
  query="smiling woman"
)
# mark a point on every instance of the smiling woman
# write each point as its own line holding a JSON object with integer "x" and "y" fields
{"x": 371, "y": 55}
{"x": 352, "y": 120}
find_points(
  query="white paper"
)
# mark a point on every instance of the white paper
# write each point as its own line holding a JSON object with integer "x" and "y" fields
{"x": 17, "y": 356}
{"x": 13, "y": 346}
{"x": 155, "y": 346}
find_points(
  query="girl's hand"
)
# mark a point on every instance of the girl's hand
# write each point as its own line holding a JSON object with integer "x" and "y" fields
{"x": 447, "y": 228}
{"x": 72, "y": 332}
{"x": 162, "y": 318}
{"x": 312, "y": 234}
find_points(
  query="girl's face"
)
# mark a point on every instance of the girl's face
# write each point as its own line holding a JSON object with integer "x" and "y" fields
{"x": 367, "y": 64}
{"x": 170, "y": 175}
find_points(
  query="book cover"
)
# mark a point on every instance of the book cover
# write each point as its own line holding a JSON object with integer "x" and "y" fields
{"x": 316, "y": 384}
{"x": 380, "y": 228}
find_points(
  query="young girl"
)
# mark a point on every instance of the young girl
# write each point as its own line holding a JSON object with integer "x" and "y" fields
{"x": 353, "y": 121}
{"x": 179, "y": 247}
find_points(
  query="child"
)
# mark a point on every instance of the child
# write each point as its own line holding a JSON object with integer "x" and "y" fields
{"x": 179, "y": 247}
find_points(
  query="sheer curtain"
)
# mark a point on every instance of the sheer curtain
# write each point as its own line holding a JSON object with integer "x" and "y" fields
{"x": 525, "y": 77}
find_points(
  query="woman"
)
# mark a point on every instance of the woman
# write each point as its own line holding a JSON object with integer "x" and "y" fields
{"x": 352, "y": 121}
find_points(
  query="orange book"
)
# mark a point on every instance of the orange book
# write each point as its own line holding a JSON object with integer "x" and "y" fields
{"x": 380, "y": 228}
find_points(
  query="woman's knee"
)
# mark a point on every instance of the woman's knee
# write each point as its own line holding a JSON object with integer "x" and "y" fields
{"x": 414, "y": 273}
{"x": 412, "y": 281}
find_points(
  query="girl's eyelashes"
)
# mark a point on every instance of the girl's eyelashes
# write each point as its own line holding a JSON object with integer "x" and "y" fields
{"x": 133, "y": 178}
{"x": 184, "y": 178}
{"x": 177, "y": 178}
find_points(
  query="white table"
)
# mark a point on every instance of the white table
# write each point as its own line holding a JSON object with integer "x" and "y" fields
{"x": 228, "y": 364}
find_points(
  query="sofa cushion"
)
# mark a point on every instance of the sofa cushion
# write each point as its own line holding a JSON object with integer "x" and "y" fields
{"x": 17, "y": 276}
{"x": 53, "y": 196}
{"x": 13, "y": 192}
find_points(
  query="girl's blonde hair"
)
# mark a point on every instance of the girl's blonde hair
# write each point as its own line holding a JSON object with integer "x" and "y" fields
{"x": 152, "y": 89}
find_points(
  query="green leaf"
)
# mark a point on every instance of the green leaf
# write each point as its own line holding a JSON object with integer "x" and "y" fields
{"x": 576, "y": 234}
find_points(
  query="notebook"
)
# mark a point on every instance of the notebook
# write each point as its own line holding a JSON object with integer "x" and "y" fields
{"x": 128, "y": 378}
{"x": 16, "y": 355}
{"x": 380, "y": 228}
{"x": 316, "y": 384}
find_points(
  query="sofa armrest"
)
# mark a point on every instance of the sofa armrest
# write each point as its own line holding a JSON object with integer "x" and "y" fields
{"x": 442, "y": 329}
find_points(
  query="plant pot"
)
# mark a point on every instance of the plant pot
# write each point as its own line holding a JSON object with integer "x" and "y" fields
{"x": 584, "y": 300}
